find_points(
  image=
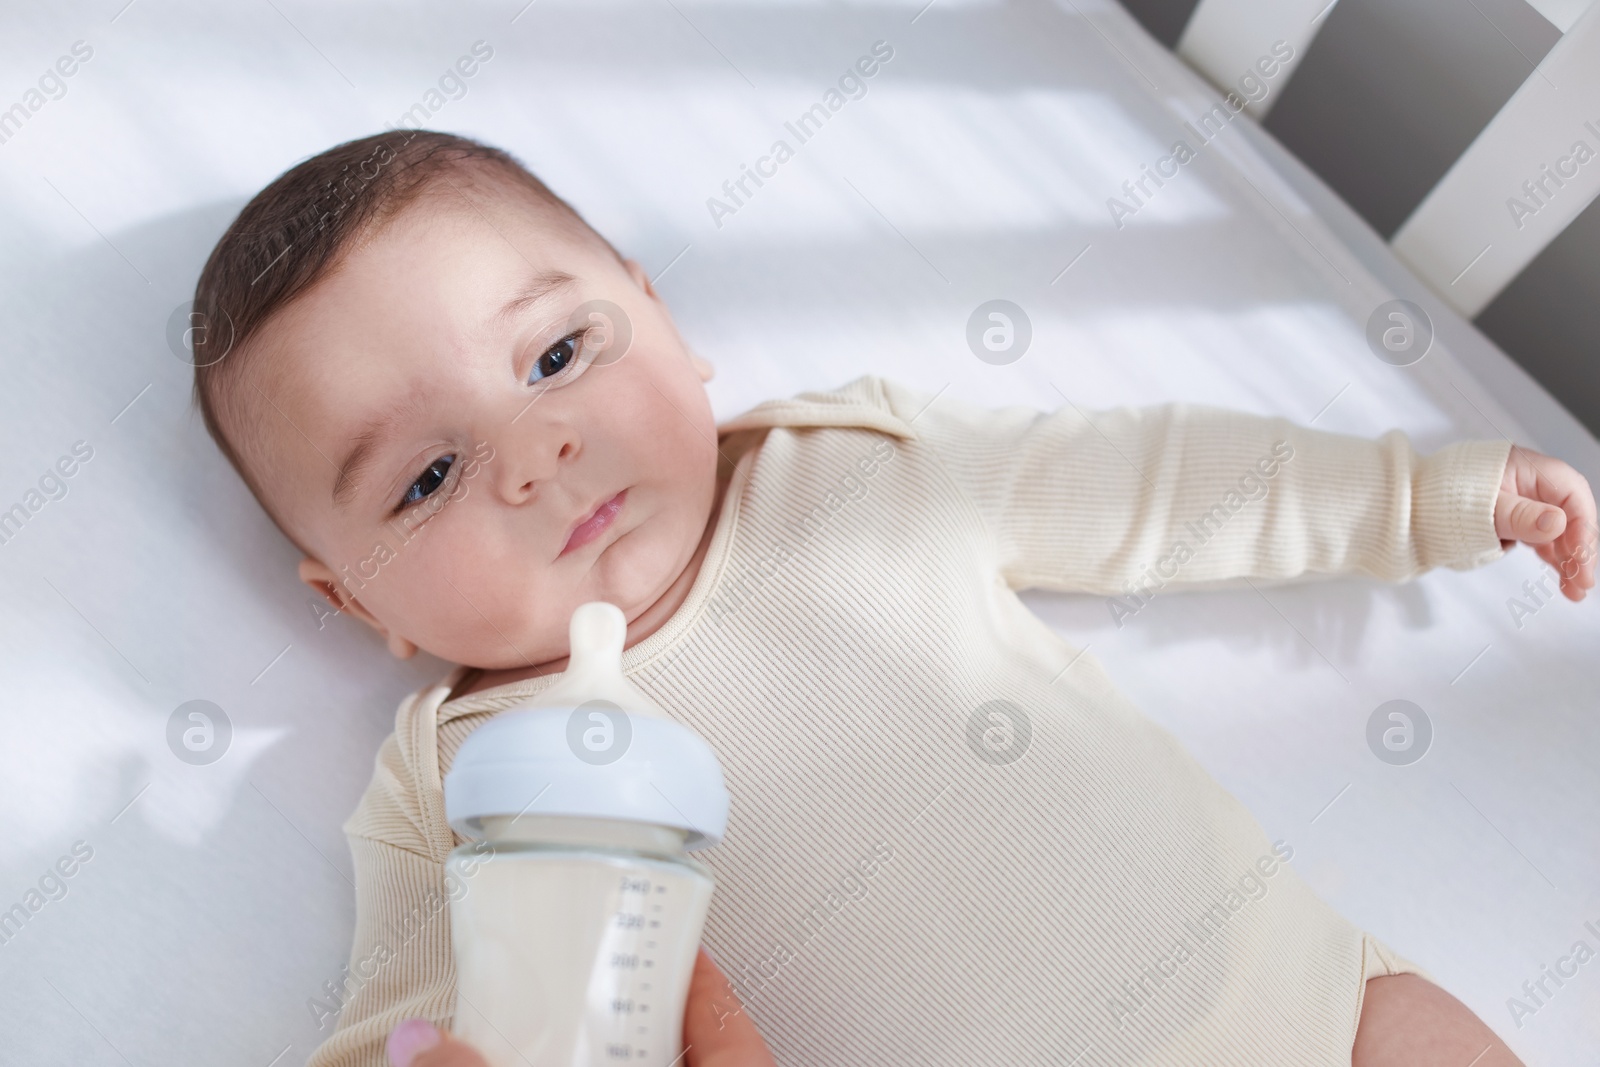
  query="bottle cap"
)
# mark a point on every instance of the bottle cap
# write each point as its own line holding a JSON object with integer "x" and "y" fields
{"x": 592, "y": 744}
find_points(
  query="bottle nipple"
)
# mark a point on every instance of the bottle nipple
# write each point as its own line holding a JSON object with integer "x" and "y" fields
{"x": 592, "y": 745}
{"x": 594, "y": 668}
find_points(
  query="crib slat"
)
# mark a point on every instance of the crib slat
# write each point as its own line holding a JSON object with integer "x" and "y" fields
{"x": 1228, "y": 41}
{"x": 1562, "y": 14}
{"x": 1531, "y": 171}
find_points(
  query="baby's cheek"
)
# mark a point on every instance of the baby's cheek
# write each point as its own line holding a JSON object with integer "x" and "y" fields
{"x": 434, "y": 587}
{"x": 470, "y": 628}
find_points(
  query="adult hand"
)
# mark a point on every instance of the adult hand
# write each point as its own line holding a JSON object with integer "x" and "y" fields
{"x": 418, "y": 1043}
{"x": 1546, "y": 504}
{"x": 716, "y": 1031}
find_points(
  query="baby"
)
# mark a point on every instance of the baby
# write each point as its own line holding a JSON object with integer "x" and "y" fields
{"x": 952, "y": 841}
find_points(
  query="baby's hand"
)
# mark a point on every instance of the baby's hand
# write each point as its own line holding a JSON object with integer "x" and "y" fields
{"x": 1550, "y": 506}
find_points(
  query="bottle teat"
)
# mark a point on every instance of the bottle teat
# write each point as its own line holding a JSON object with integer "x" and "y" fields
{"x": 594, "y": 669}
{"x": 562, "y": 755}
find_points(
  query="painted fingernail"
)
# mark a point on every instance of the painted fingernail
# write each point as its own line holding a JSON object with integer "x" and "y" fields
{"x": 1547, "y": 521}
{"x": 409, "y": 1038}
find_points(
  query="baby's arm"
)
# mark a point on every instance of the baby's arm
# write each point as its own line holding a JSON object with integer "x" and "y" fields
{"x": 400, "y": 963}
{"x": 1130, "y": 499}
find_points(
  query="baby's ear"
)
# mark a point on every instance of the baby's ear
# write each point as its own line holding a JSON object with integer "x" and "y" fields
{"x": 316, "y": 574}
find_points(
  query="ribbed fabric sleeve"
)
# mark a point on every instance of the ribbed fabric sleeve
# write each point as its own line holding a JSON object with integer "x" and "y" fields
{"x": 1188, "y": 495}
{"x": 1054, "y": 879}
{"x": 400, "y": 962}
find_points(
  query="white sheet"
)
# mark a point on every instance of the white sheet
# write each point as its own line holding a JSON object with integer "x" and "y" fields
{"x": 217, "y": 901}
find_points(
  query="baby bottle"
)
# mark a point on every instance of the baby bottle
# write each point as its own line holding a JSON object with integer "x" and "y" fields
{"x": 575, "y": 910}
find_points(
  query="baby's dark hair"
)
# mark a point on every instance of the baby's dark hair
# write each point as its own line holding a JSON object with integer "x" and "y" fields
{"x": 294, "y": 232}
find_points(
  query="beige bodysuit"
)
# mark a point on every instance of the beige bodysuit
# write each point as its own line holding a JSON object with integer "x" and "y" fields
{"x": 952, "y": 841}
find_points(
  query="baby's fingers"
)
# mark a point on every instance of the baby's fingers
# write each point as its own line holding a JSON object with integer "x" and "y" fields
{"x": 1574, "y": 559}
{"x": 1517, "y": 518}
{"x": 1532, "y": 484}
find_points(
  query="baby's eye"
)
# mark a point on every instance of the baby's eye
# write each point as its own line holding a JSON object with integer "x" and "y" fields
{"x": 557, "y": 358}
{"x": 427, "y": 482}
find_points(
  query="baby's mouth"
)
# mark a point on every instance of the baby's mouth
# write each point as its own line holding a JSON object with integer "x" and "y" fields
{"x": 595, "y": 524}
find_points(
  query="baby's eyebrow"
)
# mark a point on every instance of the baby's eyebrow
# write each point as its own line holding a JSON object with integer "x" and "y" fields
{"x": 540, "y": 286}
{"x": 356, "y": 460}
{"x": 360, "y": 455}
{"x": 374, "y": 433}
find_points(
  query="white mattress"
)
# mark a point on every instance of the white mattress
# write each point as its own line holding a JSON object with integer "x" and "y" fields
{"x": 217, "y": 901}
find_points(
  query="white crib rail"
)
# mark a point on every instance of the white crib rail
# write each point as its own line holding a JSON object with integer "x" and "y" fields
{"x": 1531, "y": 171}
{"x": 1562, "y": 14}
{"x": 1226, "y": 40}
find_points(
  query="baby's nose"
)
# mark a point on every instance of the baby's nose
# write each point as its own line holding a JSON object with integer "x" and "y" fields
{"x": 528, "y": 461}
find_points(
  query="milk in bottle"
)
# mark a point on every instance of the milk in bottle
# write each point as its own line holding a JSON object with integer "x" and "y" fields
{"x": 575, "y": 910}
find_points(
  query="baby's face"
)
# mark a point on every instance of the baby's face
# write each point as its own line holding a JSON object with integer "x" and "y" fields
{"x": 440, "y": 438}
